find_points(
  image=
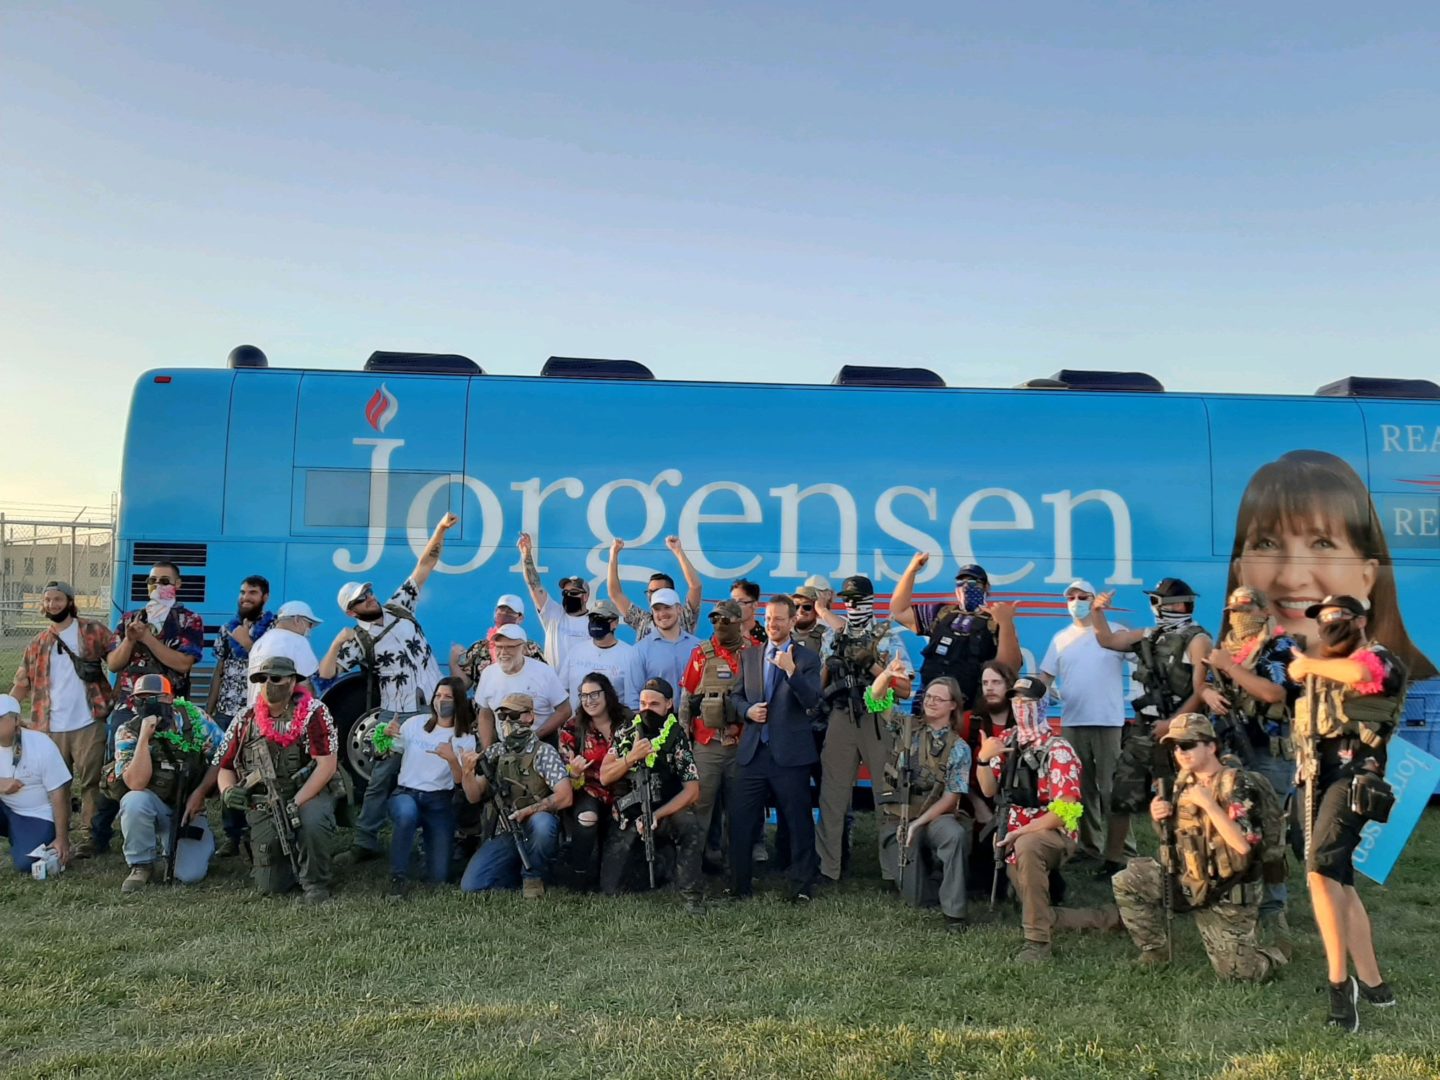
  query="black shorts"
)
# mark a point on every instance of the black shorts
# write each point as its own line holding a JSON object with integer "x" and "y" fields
{"x": 1336, "y": 834}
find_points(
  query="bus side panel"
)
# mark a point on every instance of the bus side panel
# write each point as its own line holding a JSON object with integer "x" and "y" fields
{"x": 260, "y": 454}
{"x": 174, "y": 457}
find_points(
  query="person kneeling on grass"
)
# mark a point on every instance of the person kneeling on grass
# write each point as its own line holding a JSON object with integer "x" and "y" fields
{"x": 290, "y": 736}
{"x": 530, "y": 785}
{"x": 34, "y": 789}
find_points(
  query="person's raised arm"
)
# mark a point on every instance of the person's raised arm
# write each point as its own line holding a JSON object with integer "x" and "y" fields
{"x": 330, "y": 662}
{"x": 431, "y": 555}
{"x": 1007, "y": 639}
{"x": 1114, "y": 640}
{"x": 901, "y": 609}
{"x": 612, "y": 579}
{"x": 694, "y": 588}
{"x": 532, "y": 575}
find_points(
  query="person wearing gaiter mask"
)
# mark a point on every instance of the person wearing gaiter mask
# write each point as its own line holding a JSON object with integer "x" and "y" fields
{"x": 860, "y": 726}
{"x": 430, "y": 746}
{"x": 653, "y": 751}
{"x": 565, "y": 623}
{"x": 161, "y": 753}
{"x": 291, "y": 732}
{"x": 1253, "y": 693}
{"x": 603, "y": 652}
{"x": 62, "y": 672}
{"x": 710, "y": 679}
{"x": 1359, "y": 696}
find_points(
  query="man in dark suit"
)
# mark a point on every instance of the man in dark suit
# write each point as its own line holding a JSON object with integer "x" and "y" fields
{"x": 780, "y": 682}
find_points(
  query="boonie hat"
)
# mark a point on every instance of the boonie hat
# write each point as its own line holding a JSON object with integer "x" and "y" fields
{"x": 1030, "y": 687}
{"x": 668, "y": 597}
{"x": 1347, "y": 603}
{"x": 603, "y": 608}
{"x": 1246, "y": 597}
{"x": 297, "y": 609}
{"x": 520, "y": 703}
{"x": 513, "y": 602}
{"x": 349, "y": 591}
{"x": 275, "y": 664}
{"x": 1189, "y": 727}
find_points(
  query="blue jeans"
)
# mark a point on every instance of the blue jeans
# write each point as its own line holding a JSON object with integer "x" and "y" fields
{"x": 106, "y": 808}
{"x": 497, "y": 864}
{"x": 1281, "y": 774}
{"x": 377, "y": 794}
{"x": 145, "y": 827}
{"x": 433, "y": 812}
{"x": 25, "y": 833}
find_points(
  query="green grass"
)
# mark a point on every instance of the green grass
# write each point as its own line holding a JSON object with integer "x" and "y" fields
{"x": 213, "y": 980}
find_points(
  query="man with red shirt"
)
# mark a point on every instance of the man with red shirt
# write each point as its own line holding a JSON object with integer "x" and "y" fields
{"x": 1036, "y": 775}
{"x": 710, "y": 677}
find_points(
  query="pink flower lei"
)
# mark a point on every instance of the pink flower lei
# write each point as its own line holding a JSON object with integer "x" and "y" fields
{"x": 293, "y": 730}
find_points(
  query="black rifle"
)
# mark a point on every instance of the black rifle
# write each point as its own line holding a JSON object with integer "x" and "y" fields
{"x": 1165, "y": 789}
{"x": 176, "y": 813}
{"x": 282, "y": 815}
{"x": 1009, "y": 763}
{"x": 1308, "y": 758}
{"x": 902, "y": 766}
{"x": 647, "y": 819}
{"x": 504, "y": 807}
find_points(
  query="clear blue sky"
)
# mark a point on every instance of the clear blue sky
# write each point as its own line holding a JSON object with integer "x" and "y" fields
{"x": 1225, "y": 195}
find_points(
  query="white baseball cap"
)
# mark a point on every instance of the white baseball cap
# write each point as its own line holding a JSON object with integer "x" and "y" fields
{"x": 513, "y": 602}
{"x": 669, "y": 597}
{"x": 815, "y": 581}
{"x": 1081, "y": 585}
{"x": 511, "y": 631}
{"x": 349, "y": 591}
{"x": 8, "y": 705}
{"x": 297, "y": 609}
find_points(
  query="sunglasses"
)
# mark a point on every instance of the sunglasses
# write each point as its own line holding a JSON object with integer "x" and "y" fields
{"x": 1187, "y": 744}
{"x": 804, "y": 607}
{"x": 270, "y": 678}
{"x": 1336, "y": 615}
{"x": 508, "y": 715}
{"x": 152, "y": 580}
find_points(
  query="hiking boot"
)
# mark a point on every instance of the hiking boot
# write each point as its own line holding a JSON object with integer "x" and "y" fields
{"x": 85, "y": 849}
{"x": 355, "y": 855}
{"x": 1034, "y": 952}
{"x": 1344, "y": 1007}
{"x": 315, "y": 894}
{"x": 229, "y": 848}
{"x": 533, "y": 889}
{"x": 955, "y": 925}
{"x": 398, "y": 888}
{"x": 1152, "y": 958}
{"x": 1275, "y": 929}
{"x": 1380, "y": 995}
{"x": 1108, "y": 869}
{"x": 138, "y": 879}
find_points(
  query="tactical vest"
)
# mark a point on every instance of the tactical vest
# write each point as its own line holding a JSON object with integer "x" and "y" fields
{"x": 173, "y": 772}
{"x": 850, "y": 661}
{"x": 1258, "y": 715}
{"x": 289, "y": 761}
{"x": 1342, "y": 713}
{"x": 1020, "y": 777}
{"x": 928, "y": 770}
{"x": 521, "y": 783}
{"x": 812, "y": 638}
{"x": 1161, "y": 669}
{"x": 1209, "y": 867}
{"x": 710, "y": 703}
{"x": 956, "y": 653}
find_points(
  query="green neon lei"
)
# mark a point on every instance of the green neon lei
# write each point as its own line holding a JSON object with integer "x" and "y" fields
{"x": 195, "y": 744}
{"x": 657, "y": 743}
{"x": 1067, "y": 811}
{"x": 381, "y": 740}
{"x": 887, "y": 702}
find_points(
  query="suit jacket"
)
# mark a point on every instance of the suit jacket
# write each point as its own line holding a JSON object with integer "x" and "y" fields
{"x": 791, "y": 740}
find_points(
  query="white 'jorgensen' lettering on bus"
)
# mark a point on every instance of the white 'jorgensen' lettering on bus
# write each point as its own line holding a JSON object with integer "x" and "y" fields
{"x": 964, "y": 523}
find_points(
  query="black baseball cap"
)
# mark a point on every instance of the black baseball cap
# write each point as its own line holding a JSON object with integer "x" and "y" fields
{"x": 857, "y": 585}
{"x": 1348, "y": 603}
{"x": 1029, "y": 686}
{"x": 660, "y": 686}
{"x": 1172, "y": 588}
{"x": 973, "y": 570}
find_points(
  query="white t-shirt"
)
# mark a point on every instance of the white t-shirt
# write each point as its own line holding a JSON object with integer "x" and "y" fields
{"x": 562, "y": 632}
{"x": 42, "y": 770}
{"x": 419, "y": 768}
{"x": 277, "y": 642}
{"x": 620, "y": 663}
{"x": 69, "y": 708}
{"x": 536, "y": 678}
{"x": 1090, "y": 678}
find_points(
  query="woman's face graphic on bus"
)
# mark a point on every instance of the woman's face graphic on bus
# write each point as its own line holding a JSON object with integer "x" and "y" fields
{"x": 1298, "y": 564}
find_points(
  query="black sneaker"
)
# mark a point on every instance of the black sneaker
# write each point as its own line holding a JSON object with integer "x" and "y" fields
{"x": 1344, "y": 1011}
{"x": 1380, "y": 995}
{"x": 398, "y": 888}
{"x": 1108, "y": 869}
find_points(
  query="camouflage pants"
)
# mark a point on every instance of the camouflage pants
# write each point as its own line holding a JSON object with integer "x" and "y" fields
{"x": 622, "y": 861}
{"x": 314, "y": 843}
{"x": 1142, "y": 758}
{"x": 1226, "y": 928}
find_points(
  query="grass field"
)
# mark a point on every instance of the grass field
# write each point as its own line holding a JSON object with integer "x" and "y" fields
{"x": 212, "y": 980}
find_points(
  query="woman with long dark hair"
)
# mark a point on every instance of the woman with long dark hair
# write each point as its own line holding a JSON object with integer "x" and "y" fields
{"x": 584, "y": 741}
{"x": 432, "y": 745}
{"x": 1307, "y": 529}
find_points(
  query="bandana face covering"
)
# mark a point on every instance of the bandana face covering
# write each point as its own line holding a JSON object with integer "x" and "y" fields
{"x": 1172, "y": 620}
{"x": 859, "y": 613}
{"x": 1029, "y": 720}
{"x": 972, "y": 595}
{"x": 162, "y": 599}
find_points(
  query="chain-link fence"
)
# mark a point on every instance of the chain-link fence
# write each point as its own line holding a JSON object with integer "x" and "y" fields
{"x": 35, "y": 552}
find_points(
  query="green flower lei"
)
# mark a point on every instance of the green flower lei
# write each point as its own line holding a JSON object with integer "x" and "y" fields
{"x": 196, "y": 742}
{"x": 381, "y": 740}
{"x": 659, "y": 741}
{"x": 888, "y": 701}
{"x": 1067, "y": 811}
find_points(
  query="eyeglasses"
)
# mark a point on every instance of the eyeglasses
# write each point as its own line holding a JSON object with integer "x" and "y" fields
{"x": 508, "y": 715}
{"x": 592, "y": 695}
{"x": 153, "y": 580}
{"x": 944, "y": 698}
{"x": 270, "y": 678}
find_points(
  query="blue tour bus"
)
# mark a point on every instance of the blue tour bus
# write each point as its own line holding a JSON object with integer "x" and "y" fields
{"x": 314, "y": 477}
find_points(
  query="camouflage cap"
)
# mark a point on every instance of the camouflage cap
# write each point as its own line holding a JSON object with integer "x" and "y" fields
{"x": 1244, "y": 597}
{"x": 518, "y": 703}
{"x": 728, "y": 610}
{"x": 805, "y": 592}
{"x": 603, "y": 609}
{"x": 1190, "y": 727}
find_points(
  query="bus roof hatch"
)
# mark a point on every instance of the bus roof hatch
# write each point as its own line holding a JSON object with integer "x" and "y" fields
{"x": 579, "y": 367}
{"x": 862, "y": 375}
{"x": 1365, "y": 386}
{"x": 1133, "y": 381}
{"x": 420, "y": 363}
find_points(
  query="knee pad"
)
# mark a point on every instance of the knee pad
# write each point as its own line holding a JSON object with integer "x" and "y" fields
{"x": 587, "y": 819}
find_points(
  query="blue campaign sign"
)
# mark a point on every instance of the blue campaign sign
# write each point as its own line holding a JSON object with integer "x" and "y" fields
{"x": 1413, "y": 774}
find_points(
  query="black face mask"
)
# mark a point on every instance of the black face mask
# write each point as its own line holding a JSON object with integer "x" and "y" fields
{"x": 1341, "y": 637}
{"x": 153, "y": 706}
{"x": 574, "y": 603}
{"x": 651, "y": 721}
{"x": 59, "y": 617}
